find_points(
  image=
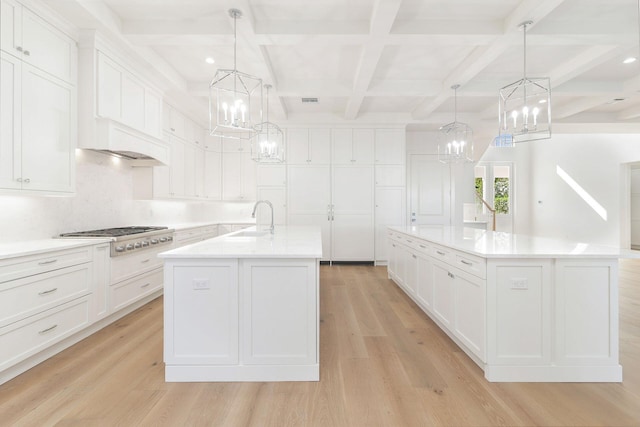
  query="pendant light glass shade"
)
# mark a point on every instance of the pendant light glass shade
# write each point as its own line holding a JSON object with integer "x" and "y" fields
{"x": 268, "y": 144}
{"x": 456, "y": 139}
{"x": 525, "y": 106}
{"x": 235, "y": 99}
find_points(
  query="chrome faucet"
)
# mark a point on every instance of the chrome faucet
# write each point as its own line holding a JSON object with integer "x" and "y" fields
{"x": 253, "y": 214}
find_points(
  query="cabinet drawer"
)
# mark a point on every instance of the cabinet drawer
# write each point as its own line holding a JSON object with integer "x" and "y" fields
{"x": 25, "y": 338}
{"x": 124, "y": 267}
{"x": 443, "y": 254}
{"x": 472, "y": 264}
{"x": 129, "y": 291}
{"x": 28, "y": 296}
{"x": 16, "y": 268}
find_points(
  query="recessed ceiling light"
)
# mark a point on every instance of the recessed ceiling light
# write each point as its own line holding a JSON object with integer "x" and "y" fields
{"x": 630, "y": 60}
{"x": 209, "y": 60}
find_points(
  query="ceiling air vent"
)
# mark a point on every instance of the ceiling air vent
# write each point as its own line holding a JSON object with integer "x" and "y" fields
{"x": 309, "y": 100}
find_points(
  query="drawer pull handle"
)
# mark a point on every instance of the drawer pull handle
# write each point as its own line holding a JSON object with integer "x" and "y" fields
{"x": 50, "y": 328}
{"x": 423, "y": 246}
{"x": 48, "y": 292}
{"x": 145, "y": 285}
{"x": 409, "y": 241}
{"x": 451, "y": 275}
{"x": 146, "y": 260}
{"x": 51, "y": 261}
{"x": 466, "y": 262}
{"x": 440, "y": 253}
{"x": 413, "y": 256}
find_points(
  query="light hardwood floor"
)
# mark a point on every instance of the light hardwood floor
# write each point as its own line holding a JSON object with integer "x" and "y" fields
{"x": 383, "y": 363}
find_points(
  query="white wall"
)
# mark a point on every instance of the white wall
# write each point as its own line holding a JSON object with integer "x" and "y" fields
{"x": 103, "y": 199}
{"x": 555, "y": 209}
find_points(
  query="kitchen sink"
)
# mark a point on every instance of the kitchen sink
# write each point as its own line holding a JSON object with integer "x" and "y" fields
{"x": 249, "y": 233}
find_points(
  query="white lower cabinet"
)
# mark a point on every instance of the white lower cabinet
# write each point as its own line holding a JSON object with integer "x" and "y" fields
{"x": 453, "y": 296}
{"x": 129, "y": 291}
{"x": 241, "y": 320}
{"x": 213, "y": 306}
{"x": 27, "y": 337}
{"x": 279, "y": 306}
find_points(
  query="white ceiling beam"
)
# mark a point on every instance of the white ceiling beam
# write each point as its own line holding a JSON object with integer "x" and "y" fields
{"x": 384, "y": 13}
{"x": 578, "y": 106}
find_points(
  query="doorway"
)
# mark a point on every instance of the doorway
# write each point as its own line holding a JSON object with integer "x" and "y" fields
{"x": 430, "y": 194}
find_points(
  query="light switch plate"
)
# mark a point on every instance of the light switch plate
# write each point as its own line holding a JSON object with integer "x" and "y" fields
{"x": 519, "y": 283}
{"x": 201, "y": 284}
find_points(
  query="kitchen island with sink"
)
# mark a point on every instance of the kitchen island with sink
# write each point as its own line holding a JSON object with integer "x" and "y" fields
{"x": 523, "y": 308}
{"x": 244, "y": 307}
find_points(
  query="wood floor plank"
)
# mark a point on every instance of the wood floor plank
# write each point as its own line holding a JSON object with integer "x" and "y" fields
{"x": 383, "y": 362}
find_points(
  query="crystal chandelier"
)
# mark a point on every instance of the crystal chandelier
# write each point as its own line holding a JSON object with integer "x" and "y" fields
{"x": 455, "y": 145}
{"x": 235, "y": 99}
{"x": 525, "y": 105}
{"x": 268, "y": 144}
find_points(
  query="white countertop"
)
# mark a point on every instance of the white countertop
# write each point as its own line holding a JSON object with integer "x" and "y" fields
{"x": 286, "y": 242}
{"x": 33, "y": 247}
{"x": 494, "y": 244}
{"x": 188, "y": 225}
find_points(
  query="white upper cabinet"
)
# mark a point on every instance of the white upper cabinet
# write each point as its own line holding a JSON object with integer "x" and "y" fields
{"x": 36, "y": 42}
{"x": 390, "y": 146}
{"x": 37, "y": 104}
{"x": 309, "y": 146}
{"x": 352, "y": 146}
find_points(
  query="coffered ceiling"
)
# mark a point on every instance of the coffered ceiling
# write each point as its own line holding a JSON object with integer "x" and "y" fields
{"x": 392, "y": 61}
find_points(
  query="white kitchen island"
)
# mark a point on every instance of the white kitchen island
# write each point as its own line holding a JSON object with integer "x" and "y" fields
{"x": 244, "y": 307}
{"x": 523, "y": 308}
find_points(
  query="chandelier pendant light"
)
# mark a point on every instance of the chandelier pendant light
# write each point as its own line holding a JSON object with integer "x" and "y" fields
{"x": 456, "y": 139}
{"x": 268, "y": 144}
{"x": 525, "y": 105}
{"x": 235, "y": 98}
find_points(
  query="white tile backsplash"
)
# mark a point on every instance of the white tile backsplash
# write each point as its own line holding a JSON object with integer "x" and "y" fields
{"x": 103, "y": 199}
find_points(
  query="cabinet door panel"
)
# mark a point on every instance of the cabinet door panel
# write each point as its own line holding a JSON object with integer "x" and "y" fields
{"x": 320, "y": 146}
{"x": 352, "y": 238}
{"x": 363, "y": 143}
{"x": 109, "y": 88}
{"x": 342, "y": 146}
{"x": 10, "y": 17}
{"x": 213, "y": 307}
{"x": 309, "y": 190}
{"x": 133, "y": 112}
{"x": 353, "y": 190}
{"x": 271, "y": 175}
{"x": 469, "y": 325}
{"x": 298, "y": 146}
{"x": 48, "y": 157}
{"x": 389, "y": 146}
{"x": 153, "y": 113}
{"x": 443, "y": 294}
{"x": 279, "y": 312}
{"x": 389, "y": 211}
{"x": 49, "y": 49}
{"x": 10, "y": 156}
{"x": 189, "y": 170}
{"x": 177, "y": 168}
{"x": 424, "y": 290}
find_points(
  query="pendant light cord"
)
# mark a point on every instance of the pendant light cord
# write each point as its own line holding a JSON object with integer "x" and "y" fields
{"x": 524, "y": 31}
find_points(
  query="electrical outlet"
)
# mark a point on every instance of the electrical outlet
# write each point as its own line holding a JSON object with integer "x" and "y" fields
{"x": 519, "y": 283}
{"x": 201, "y": 284}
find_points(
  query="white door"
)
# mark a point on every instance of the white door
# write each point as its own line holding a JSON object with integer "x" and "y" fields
{"x": 430, "y": 185}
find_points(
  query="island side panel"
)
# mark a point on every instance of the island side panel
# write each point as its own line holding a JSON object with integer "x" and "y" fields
{"x": 279, "y": 311}
{"x": 201, "y": 312}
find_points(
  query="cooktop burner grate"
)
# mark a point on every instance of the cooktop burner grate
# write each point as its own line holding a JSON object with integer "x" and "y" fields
{"x": 113, "y": 232}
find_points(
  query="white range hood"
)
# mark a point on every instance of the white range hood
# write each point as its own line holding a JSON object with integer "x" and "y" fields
{"x": 123, "y": 141}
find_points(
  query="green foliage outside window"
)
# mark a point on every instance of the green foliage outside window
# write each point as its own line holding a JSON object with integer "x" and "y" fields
{"x": 501, "y": 191}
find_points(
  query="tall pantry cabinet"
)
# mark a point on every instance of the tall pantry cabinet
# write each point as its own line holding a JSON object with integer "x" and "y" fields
{"x": 335, "y": 177}
{"x": 37, "y": 103}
